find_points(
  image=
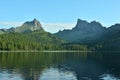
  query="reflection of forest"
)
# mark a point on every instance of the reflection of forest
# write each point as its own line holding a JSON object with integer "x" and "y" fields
{"x": 31, "y": 65}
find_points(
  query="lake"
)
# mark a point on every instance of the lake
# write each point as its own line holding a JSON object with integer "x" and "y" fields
{"x": 60, "y": 66}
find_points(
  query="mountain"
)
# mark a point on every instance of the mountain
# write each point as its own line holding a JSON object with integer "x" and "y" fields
{"x": 32, "y": 36}
{"x": 111, "y": 39}
{"x": 83, "y": 32}
{"x": 84, "y": 36}
{"x": 2, "y": 31}
{"x": 28, "y": 26}
{"x": 93, "y": 34}
{"x": 29, "y": 36}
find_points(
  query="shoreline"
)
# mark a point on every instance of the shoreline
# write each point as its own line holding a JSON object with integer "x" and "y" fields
{"x": 57, "y": 51}
{"x": 49, "y": 51}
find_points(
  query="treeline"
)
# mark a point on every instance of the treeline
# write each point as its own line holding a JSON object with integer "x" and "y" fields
{"x": 38, "y": 40}
{"x": 108, "y": 45}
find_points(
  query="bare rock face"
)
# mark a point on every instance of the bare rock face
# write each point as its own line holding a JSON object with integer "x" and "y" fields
{"x": 35, "y": 24}
{"x": 30, "y": 26}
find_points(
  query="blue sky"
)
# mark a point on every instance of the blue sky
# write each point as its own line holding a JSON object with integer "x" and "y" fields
{"x": 58, "y": 14}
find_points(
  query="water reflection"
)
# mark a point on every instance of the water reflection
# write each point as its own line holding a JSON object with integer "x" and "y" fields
{"x": 5, "y": 75}
{"x": 108, "y": 77}
{"x": 61, "y": 66}
{"x": 56, "y": 74}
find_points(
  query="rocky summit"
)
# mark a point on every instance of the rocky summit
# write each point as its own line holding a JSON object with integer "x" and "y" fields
{"x": 89, "y": 32}
{"x": 83, "y": 32}
{"x": 30, "y": 26}
{"x": 26, "y": 27}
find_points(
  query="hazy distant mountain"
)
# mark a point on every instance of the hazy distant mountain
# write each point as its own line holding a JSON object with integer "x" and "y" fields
{"x": 83, "y": 32}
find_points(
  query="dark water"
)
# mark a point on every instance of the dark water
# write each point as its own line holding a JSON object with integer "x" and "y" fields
{"x": 60, "y": 66}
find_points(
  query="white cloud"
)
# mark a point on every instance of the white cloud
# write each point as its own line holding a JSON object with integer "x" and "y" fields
{"x": 50, "y": 27}
{"x": 55, "y": 27}
{"x": 10, "y": 24}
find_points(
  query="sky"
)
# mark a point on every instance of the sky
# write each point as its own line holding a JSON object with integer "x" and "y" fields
{"x": 56, "y": 15}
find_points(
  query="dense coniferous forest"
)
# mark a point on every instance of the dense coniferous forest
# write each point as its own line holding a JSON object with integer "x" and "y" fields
{"x": 36, "y": 40}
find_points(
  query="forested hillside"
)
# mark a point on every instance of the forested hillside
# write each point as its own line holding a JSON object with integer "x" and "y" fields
{"x": 36, "y": 40}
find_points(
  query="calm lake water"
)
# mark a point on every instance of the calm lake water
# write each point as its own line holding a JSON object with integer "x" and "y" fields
{"x": 60, "y": 66}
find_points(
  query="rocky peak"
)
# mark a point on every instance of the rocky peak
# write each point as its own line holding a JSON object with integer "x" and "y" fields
{"x": 33, "y": 25}
{"x": 95, "y": 23}
{"x": 93, "y": 26}
{"x": 30, "y": 26}
{"x": 81, "y": 23}
{"x": 36, "y": 22}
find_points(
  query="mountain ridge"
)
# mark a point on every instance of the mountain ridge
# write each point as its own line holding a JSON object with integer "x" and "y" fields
{"x": 91, "y": 34}
{"x": 83, "y": 31}
{"x": 31, "y": 36}
{"x": 27, "y": 26}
